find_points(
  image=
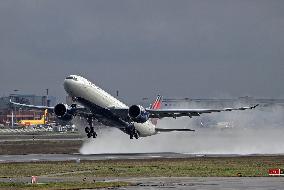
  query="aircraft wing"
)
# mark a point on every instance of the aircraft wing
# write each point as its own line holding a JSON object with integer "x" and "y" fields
{"x": 32, "y": 106}
{"x": 161, "y": 113}
{"x": 79, "y": 109}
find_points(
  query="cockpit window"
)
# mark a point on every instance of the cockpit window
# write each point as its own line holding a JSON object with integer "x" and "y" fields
{"x": 71, "y": 77}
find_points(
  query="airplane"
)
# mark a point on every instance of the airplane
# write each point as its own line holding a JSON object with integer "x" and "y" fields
{"x": 93, "y": 103}
{"x": 41, "y": 121}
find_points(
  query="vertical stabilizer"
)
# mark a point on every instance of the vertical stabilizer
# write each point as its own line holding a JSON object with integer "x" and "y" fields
{"x": 156, "y": 105}
{"x": 44, "y": 117}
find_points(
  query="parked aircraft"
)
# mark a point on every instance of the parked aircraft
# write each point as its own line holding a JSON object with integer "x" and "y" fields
{"x": 41, "y": 121}
{"x": 93, "y": 103}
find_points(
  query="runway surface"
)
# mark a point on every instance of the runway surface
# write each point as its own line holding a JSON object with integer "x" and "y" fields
{"x": 182, "y": 183}
{"x": 228, "y": 183}
{"x": 78, "y": 157}
{"x": 38, "y": 136}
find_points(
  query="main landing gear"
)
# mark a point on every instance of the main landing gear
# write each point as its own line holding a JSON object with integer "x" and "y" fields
{"x": 90, "y": 130}
{"x": 132, "y": 132}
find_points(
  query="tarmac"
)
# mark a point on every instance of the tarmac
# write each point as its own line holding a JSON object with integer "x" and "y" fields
{"x": 226, "y": 183}
{"x": 81, "y": 157}
{"x": 78, "y": 157}
{"x": 22, "y": 131}
{"x": 182, "y": 183}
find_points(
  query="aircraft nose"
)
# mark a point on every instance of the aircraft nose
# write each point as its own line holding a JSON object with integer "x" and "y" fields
{"x": 67, "y": 85}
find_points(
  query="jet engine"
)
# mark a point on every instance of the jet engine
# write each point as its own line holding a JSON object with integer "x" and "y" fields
{"x": 138, "y": 114}
{"x": 63, "y": 112}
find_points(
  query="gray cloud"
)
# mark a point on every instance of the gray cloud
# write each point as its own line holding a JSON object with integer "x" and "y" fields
{"x": 178, "y": 48}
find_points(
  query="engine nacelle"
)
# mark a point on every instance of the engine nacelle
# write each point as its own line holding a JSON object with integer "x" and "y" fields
{"x": 138, "y": 114}
{"x": 63, "y": 112}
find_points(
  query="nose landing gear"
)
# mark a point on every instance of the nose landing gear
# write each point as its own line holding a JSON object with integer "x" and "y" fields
{"x": 90, "y": 130}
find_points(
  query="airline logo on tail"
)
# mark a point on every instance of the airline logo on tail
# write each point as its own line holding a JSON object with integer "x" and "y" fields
{"x": 156, "y": 105}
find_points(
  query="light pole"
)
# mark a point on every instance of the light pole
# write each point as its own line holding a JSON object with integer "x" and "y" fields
{"x": 47, "y": 102}
{"x": 12, "y": 115}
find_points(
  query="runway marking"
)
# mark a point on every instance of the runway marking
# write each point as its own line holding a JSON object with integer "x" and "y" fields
{"x": 155, "y": 156}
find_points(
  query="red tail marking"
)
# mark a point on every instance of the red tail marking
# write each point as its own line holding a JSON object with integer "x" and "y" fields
{"x": 156, "y": 105}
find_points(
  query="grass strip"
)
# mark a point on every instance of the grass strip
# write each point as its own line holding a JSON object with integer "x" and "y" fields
{"x": 249, "y": 166}
{"x": 62, "y": 185}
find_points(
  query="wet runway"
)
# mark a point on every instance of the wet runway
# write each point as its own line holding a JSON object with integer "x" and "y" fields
{"x": 78, "y": 157}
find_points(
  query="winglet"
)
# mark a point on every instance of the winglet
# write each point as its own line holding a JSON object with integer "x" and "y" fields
{"x": 254, "y": 106}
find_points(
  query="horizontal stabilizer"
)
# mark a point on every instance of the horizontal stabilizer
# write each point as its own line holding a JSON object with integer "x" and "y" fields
{"x": 171, "y": 130}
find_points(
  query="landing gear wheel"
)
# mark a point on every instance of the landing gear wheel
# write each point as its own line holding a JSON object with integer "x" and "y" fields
{"x": 89, "y": 135}
{"x": 95, "y": 135}
{"x": 87, "y": 130}
{"x": 136, "y": 135}
{"x": 90, "y": 130}
{"x": 132, "y": 132}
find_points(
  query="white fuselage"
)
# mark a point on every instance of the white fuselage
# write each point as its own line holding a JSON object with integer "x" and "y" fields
{"x": 77, "y": 86}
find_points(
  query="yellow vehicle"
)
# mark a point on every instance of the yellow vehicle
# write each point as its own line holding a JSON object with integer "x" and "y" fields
{"x": 42, "y": 121}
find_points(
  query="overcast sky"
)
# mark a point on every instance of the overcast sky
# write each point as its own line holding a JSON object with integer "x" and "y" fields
{"x": 195, "y": 49}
